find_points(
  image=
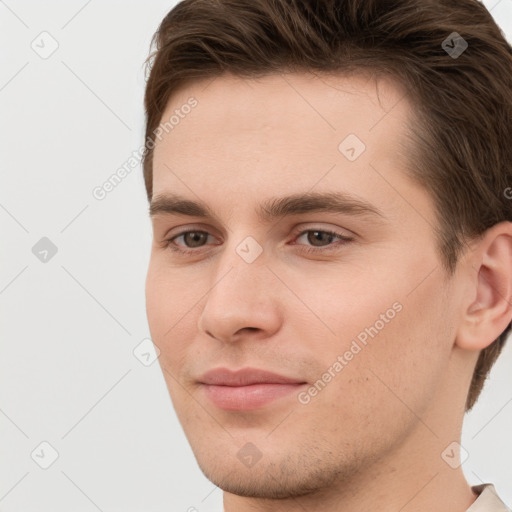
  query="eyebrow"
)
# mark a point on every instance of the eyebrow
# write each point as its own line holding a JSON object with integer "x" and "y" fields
{"x": 273, "y": 208}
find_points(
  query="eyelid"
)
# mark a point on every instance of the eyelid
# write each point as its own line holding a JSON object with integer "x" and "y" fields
{"x": 341, "y": 232}
{"x": 296, "y": 231}
{"x": 189, "y": 227}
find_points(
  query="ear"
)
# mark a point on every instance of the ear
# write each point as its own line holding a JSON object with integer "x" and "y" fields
{"x": 488, "y": 310}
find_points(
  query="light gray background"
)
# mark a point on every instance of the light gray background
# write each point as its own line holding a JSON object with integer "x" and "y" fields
{"x": 69, "y": 326}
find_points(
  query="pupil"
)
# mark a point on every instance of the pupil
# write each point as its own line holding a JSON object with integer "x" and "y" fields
{"x": 318, "y": 235}
{"x": 196, "y": 237}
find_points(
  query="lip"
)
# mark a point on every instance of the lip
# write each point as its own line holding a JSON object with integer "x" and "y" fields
{"x": 246, "y": 389}
{"x": 244, "y": 377}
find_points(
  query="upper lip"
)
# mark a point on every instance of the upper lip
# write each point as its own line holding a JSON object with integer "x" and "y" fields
{"x": 244, "y": 377}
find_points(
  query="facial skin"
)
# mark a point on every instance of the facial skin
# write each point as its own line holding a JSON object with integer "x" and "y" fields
{"x": 374, "y": 435}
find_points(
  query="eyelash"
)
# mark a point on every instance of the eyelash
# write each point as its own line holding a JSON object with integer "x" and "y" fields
{"x": 309, "y": 250}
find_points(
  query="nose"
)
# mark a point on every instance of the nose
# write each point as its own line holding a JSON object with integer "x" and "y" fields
{"x": 244, "y": 301}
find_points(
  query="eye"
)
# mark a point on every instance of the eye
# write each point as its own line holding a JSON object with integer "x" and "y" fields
{"x": 194, "y": 240}
{"x": 317, "y": 235}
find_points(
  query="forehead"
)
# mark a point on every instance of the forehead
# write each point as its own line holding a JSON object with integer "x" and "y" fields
{"x": 256, "y": 137}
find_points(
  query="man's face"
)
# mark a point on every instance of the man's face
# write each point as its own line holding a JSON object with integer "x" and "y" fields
{"x": 362, "y": 327}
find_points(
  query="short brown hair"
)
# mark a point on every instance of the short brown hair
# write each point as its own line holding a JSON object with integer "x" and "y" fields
{"x": 462, "y": 130}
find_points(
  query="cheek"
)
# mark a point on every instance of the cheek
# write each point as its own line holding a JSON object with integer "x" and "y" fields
{"x": 169, "y": 299}
{"x": 156, "y": 299}
{"x": 169, "y": 320}
{"x": 344, "y": 305}
{"x": 392, "y": 345}
{"x": 404, "y": 363}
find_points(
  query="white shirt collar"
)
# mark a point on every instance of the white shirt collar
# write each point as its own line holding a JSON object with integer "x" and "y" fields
{"x": 488, "y": 500}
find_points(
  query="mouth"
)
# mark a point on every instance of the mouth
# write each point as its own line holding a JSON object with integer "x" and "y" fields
{"x": 246, "y": 389}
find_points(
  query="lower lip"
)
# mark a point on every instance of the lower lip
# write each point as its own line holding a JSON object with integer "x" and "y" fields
{"x": 246, "y": 398}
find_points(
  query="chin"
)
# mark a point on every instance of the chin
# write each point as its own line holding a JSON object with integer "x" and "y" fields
{"x": 276, "y": 479}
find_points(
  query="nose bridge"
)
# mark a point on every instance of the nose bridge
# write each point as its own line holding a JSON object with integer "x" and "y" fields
{"x": 242, "y": 262}
{"x": 241, "y": 294}
{"x": 240, "y": 277}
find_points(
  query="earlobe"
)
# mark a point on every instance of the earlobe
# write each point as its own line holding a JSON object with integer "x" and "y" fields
{"x": 490, "y": 273}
